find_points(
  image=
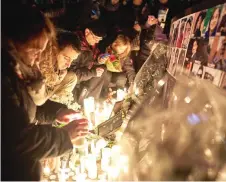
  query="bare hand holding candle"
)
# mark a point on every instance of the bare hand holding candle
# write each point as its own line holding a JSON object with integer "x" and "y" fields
{"x": 77, "y": 130}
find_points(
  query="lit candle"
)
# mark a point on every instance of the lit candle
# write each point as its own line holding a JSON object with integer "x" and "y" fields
{"x": 108, "y": 107}
{"x": 58, "y": 164}
{"x": 86, "y": 147}
{"x": 99, "y": 118}
{"x": 46, "y": 171}
{"x": 121, "y": 94}
{"x": 101, "y": 144}
{"x": 115, "y": 154}
{"x": 105, "y": 163}
{"x": 105, "y": 160}
{"x": 89, "y": 107}
{"x": 82, "y": 164}
{"x": 93, "y": 148}
{"x": 52, "y": 177}
{"x": 116, "y": 149}
{"x": 102, "y": 177}
{"x": 113, "y": 173}
{"x": 123, "y": 159}
{"x": 80, "y": 177}
{"x": 92, "y": 166}
{"x": 77, "y": 170}
{"x": 106, "y": 152}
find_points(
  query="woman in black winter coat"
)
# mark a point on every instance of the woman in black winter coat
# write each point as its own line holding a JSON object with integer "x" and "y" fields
{"x": 24, "y": 141}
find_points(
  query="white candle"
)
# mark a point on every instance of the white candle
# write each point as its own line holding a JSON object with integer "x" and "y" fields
{"x": 123, "y": 159}
{"x": 89, "y": 107}
{"x": 108, "y": 107}
{"x": 93, "y": 148}
{"x": 58, "y": 164}
{"x": 106, "y": 153}
{"x": 80, "y": 177}
{"x": 100, "y": 144}
{"x": 116, "y": 149}
{"x": 115, "y": 154}
{"x": 46, "y": 171}
{"x": 121, "y": 94}
{"x": 52, "y": 177}
{"x": 82, "y": 164}
{"x": 92, "y": 172}
{"x": 77, "y": 170}
{"x": 92, "y": 166}
{"x": 86, "y": 147}
{"x": 113, "y": 173}
{"x": 102, "y": 177}
{"x": 105, "y": 163}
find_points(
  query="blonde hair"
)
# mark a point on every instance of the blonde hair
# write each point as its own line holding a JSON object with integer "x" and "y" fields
{"x": 48, "y": 64}
{"x": 47, "y": 59}
{"x": 123, "y": 40}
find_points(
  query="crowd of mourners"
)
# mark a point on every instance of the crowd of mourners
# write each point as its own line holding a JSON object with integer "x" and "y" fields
{"x": 81, "y": 49}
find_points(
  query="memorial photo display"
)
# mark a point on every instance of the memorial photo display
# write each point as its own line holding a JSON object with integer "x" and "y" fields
{"x": 198, "y": 45}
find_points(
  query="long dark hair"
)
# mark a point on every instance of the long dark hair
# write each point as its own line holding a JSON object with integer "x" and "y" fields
{"x": 215, "y": 29}
{"x": 202, "y": 15}
{"x": 22, "y": 23}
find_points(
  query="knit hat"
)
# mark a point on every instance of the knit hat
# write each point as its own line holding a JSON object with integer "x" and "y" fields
{"x": 98, "y": 28}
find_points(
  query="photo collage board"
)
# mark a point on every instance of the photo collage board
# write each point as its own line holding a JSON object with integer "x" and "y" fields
{"x": 198, "y": 45}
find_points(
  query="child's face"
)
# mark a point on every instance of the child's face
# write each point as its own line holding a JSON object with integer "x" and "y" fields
{"x": 119, "y": 49}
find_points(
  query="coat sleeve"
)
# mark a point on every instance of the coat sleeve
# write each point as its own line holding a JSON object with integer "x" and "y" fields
{"x": 22, "y": 138}
{"x": 47, "y": 112}
{"x": 129, "y": 69}
{"x": 81, "y": 65}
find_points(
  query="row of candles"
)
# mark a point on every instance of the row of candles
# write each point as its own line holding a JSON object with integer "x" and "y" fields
{"x": 94, "y": 160}
{"x": 97, "y": 113}
{"x": 100, "y": 162}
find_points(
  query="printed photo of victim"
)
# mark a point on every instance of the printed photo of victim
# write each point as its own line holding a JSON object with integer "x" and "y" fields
{"x": 180, "y": 61}
{"x": 176, "y": 26}
{"x": 210, "y": 74}
{"x": 212, "y": 20}
{"x": 221, "y": 30}
{"x": 175, "y": 62}
{"x": 213, "y": 75}
{"x": 184, "y": 32}
{"x": 188, "y": 25}
{"x": 198, "y": 51}
{"x": 198, "y": 27}
{"x": 217, "y": 58}
{"x": 171, "y": 34}
{"x": 197, "y": 70}
{"x": 172, "y": 60}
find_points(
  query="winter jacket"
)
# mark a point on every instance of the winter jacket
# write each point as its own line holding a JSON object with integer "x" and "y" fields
{"x": 25, "y": 142}
{"x": 83, "y": 65}
{"x": 125, "y": 65}
{"x": 130, "y": 15}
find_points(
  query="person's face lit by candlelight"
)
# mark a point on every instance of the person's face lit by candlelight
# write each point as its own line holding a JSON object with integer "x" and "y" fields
{"x": 91, "y": 38}
{"x": 65, "y": 57}
{"x": 30, "y": 50}
{"x": 114, "y": 2}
